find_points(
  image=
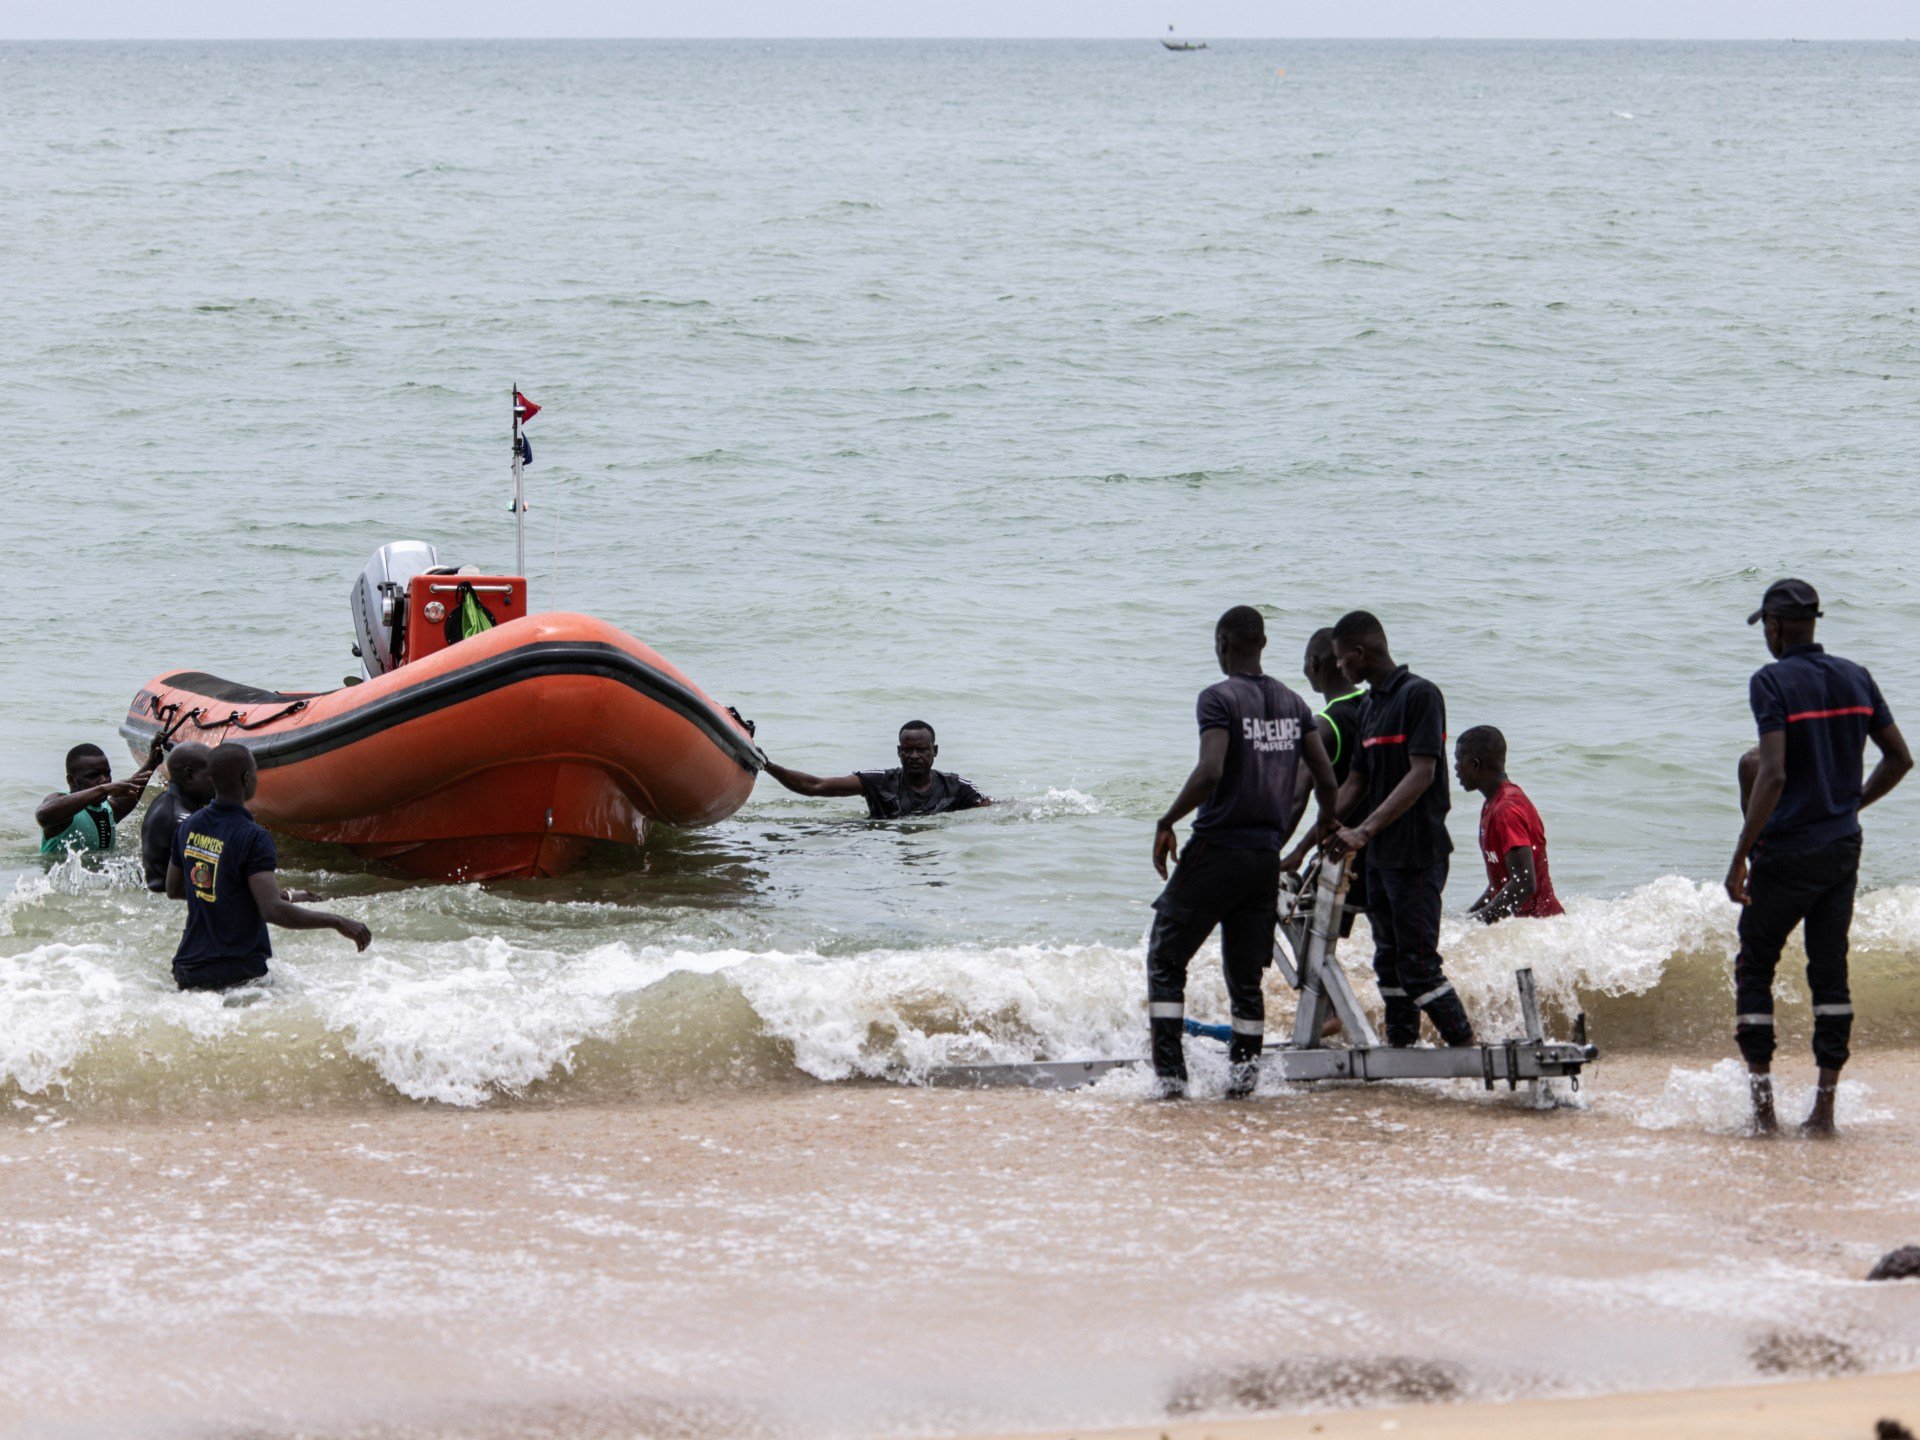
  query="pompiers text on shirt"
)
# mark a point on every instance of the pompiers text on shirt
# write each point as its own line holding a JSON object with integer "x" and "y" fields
{"x": 1269, "y": 735}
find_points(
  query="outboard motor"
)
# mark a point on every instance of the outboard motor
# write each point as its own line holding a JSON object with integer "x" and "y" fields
{"x": 380, "y": 601}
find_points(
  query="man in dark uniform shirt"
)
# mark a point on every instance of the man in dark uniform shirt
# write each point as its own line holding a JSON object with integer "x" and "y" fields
{"x": 1254, "y": 732}
{"x": 189, "y": 786}
{"x": 1399, "y": 772}
{"x": 1338, "y": 722}
{"x": 1798, "y": 857}
{"x": 223, "y": 865}
{"x": 915, "y": 788}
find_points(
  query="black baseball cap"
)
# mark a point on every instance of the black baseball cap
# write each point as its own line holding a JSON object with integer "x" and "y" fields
{"x": 1790, "y": 600}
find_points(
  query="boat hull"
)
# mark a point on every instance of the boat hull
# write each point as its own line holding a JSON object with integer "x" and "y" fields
{"x": 504, "y": 755}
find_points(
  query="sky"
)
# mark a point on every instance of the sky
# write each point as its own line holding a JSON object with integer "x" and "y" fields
{"x": 1200, "y": 19}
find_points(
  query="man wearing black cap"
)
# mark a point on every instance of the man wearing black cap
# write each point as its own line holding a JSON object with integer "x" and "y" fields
{"x": 1799, "y": 853}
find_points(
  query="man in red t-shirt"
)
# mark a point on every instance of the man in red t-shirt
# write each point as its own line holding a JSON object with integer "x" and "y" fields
{"x": 1513, "y": 842}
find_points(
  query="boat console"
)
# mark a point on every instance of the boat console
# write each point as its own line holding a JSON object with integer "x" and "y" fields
{"x": 407, "y": 605}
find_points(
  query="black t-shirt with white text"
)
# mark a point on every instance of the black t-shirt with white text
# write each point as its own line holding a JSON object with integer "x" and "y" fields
{"x": 890, "y": 797}
{"x": 1251, "y": 807}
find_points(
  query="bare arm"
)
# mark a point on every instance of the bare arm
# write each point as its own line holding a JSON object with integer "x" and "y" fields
{"x": 1519, "y": 889}
{"x": 1352, "y": 791}
{"x": 802, "y": 783}
{"x": 1200, "y": 784}
{"x": 176, "y": 882}
{"x": 1769, "y": 779}
{"x": 135, "y": 785}
{"x": 1303, "y": 778}
{"x": 1895, "y": 762}
{"x": 276, "y": 910}
{"x": 1319, "y": 772}
{"x": 56, "y": 812}
{"x": 1420, "y": 772}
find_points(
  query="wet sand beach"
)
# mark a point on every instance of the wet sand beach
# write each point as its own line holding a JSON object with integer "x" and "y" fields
{"x": 1840, "y": 1407}
{"x": 866, "y": 1259}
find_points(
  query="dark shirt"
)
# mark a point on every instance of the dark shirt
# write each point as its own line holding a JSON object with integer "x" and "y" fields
{"x": 157, "y": 828}
{"x": 889, "y": 796}
{"x": 1403, "y": 717}
{"x": 217, "y": 850}
{"x": 1828, "y": 707}
{"x": 1251, "y": 808}
{"x": 1344, "y": 715}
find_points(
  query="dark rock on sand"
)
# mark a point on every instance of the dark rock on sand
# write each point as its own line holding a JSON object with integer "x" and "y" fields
{"x": 1901, "y": 1264}
{"x": 1803, "y": 1352}
{"x": 1302, "y": 1382}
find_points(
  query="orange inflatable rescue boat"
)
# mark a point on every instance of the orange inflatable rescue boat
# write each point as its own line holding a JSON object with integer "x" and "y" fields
{"x": 484, "y": 743}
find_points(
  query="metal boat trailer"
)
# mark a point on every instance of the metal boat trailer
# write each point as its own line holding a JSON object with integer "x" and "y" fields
{"x": 1310, "y": 925}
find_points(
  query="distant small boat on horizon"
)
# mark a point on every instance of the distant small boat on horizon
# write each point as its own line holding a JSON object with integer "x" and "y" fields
{"x": 1173, "y": 44}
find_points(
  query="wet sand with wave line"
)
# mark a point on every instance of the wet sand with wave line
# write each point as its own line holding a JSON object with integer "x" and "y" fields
{"x": 868, "y": 1259}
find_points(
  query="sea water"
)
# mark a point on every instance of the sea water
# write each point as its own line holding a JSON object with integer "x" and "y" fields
{"x": 964, "y": 382}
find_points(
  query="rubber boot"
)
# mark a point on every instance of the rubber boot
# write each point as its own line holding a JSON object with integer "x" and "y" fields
{"x": 1243, "y": 1065}
{"x": 1169, "y": 1057}
{"x": 1402, "y": 1020}
{"x": 1449, "y": 1017}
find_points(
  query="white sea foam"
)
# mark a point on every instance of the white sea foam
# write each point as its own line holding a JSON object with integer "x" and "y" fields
{"x": 1719, "y": 1101}
{"x": 464, "y": 1021}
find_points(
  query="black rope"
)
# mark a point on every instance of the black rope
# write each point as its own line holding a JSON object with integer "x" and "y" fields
{"x": 167, "y": 714}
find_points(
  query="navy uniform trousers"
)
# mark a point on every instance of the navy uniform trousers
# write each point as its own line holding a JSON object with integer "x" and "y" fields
{"x": 1403, "y": 909}
{"x": 1814, "y": 888}
{"x": 1238, "y": 891}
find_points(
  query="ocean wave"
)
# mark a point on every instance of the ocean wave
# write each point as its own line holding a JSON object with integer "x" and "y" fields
{"x": 89, "y": 1016}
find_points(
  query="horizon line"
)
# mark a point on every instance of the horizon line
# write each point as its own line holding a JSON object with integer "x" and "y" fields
{"x": 1028, "y": 39}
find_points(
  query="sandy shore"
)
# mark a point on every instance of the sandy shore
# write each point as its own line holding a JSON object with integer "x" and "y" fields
{"x": 868, "y": 1260}
{"x": 1842, "y": 1408}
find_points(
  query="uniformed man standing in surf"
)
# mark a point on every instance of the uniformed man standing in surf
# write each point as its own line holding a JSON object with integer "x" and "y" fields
{"x": 1254, "y": 732}
{"x": 1401, "y": 774}
{"x": 1798, "y": 857}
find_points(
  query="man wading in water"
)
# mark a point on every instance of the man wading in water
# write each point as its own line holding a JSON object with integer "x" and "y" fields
{"x": 1798, "y": 858}
{"x": 1253, "y": 734}
{"x": 916, "y": 788}
{"x": 1399, "y": 773}
{"x": 84, "y": 816}
{"x": 222, "y": 865}
{"x": 189, "y": 786}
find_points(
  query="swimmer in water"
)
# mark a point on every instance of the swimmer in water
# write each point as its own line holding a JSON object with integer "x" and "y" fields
{"x": 915, "y": 788}
{"x": 85, "y": 814}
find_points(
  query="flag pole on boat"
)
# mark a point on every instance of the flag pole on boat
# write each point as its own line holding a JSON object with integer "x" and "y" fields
{"x": 523, "y": 410}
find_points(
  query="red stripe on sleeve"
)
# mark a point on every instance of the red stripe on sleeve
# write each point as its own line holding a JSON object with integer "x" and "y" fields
{"x": 1383, "y": 740}
{"x": 1830, "y": 714}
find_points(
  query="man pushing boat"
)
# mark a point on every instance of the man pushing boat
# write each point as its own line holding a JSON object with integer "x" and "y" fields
{"x": 915, "y": 788}
{"x": 223, "y": 866}
{"x": 85, "y": 814}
